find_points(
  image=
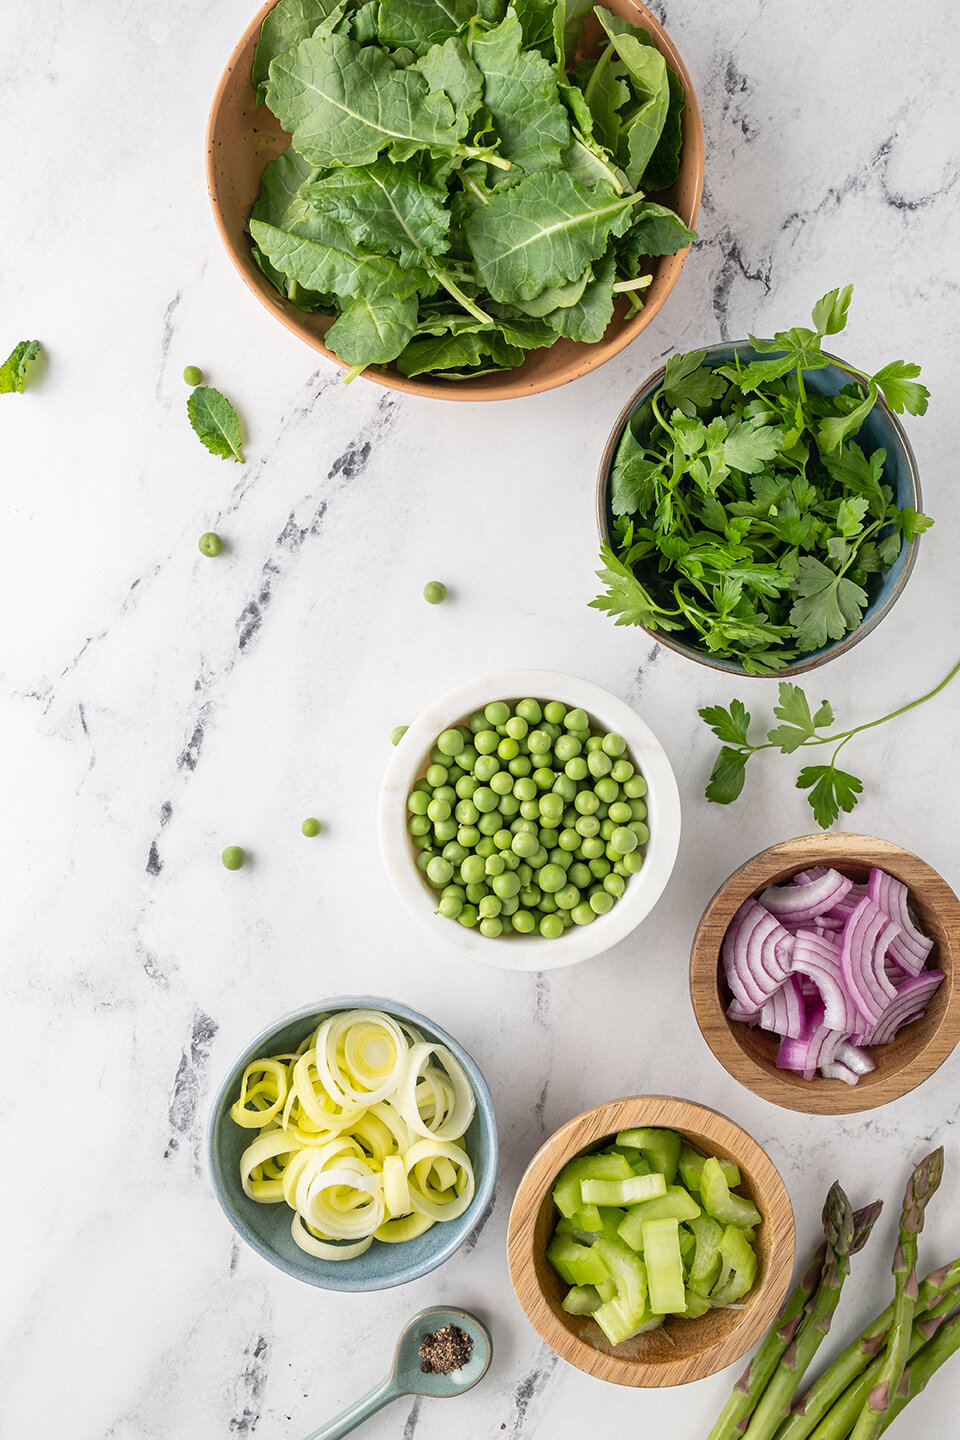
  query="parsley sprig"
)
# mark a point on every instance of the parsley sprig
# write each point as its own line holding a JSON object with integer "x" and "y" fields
{"x": 830, "y": 789}
{"x": 746, "y": 516}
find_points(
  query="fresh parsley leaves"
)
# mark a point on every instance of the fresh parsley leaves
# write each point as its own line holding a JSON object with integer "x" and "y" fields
{"x": 830, "y": 789}
{"x": 14, "y": 370}
{"x": 748, "y": 517}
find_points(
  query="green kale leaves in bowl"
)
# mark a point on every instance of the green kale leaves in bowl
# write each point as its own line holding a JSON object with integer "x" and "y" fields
{"x": 759, "y": 502}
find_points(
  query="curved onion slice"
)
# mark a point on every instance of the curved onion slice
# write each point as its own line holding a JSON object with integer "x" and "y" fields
{"x": 819, "y": 959}
{"x": 865, "y": 940}
{"x": 805, "y": 902}
{"x": 785, "y": 1012}
{"x": 912, "y": 947}
{"x": 356, "y": 1134}
{"x": 756, "y": 955}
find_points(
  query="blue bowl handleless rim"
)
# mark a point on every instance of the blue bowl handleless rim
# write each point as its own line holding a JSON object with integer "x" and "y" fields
{"x": 892, "y": 584}
{"x": 461, "y": 1228}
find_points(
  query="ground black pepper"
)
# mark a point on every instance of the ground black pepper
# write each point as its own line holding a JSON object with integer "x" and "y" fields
{"x": 445, "y": 1350}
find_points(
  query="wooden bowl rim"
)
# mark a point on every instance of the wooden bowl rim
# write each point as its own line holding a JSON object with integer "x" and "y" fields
{"x": 511, "y": 386}
{"x": 590, "y": 1129}
{"x": 833, "y": 648}
{"x": 818, "y": 1096}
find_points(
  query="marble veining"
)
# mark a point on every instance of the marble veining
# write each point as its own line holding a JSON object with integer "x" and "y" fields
{"x": 157, "y": 705}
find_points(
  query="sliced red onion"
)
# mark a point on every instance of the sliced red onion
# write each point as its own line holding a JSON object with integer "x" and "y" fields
{"x": 912, "y": 947}
{"x": 785, "y": 1013}
{"x": 818, "y": 1046}
{"x": 756, "y": 955}
{"x": 844, "y": 908}
{"x": 912, "y": 999}
{"x": 854, "y": 1058}
{"x": 866, "y": 936}
{"x": 836, "y": 1070}
{"x": 819, "y": 959}
{"x": 806, "y": 902}
{"x": 735, "y": 1011}
{"x": 807, "y": 877}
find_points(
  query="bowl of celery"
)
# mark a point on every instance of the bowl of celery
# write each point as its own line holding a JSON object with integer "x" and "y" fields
{"x": 651, "y": 1241}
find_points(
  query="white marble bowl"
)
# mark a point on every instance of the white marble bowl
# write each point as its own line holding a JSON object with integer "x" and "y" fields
{"x": 531, "y": 952}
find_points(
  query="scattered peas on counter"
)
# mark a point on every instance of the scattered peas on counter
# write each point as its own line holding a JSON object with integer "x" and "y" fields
{"x": 210, "y": 543}
{"x": 310, "y": 827}
{"x": 234, "y": 857}
{"x": 434, "y": 592}
{"x": 527, "y": 820}
{"x": 193, "y": 375}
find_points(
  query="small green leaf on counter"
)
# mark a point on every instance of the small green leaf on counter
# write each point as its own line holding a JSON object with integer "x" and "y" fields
{"x": 215, "y": 422}
{"x": 14, "y": 370}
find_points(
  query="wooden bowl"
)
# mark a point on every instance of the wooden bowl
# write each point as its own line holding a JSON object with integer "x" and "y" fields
{"x": 695, "y": 1348}
{"x": 242, "y": 137}
{"x": 750, "y": 1054}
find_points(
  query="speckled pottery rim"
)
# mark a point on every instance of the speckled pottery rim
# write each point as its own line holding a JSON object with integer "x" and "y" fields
{"x": 397, "y": 1266}
{"x": 894, "y": 581}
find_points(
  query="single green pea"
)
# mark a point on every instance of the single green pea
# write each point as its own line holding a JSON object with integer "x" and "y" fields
{"x": 586, "y": 802}
{"x": 439, "y": 809}
{"x": 486, "y": 741}
{"x": 509, "y": 905}
{"x": 600, "y": 867}
{"x": 568, "y": 897}
{"x": 472, "y": 870}
{"x": 508, "y": 749}
{"x": 583, "y": 914}
{"x": 599, "y": 764}
{"x": 509, "y": 806}
{"x": 477, "y": 721}
{"x": 492, "y": 927}
{"x": 493, "y": 865}
{"x": 524, "y": 844}
{"x": 455, "y": 852}
{"x": 568, "y": 840}
{"x": 437, "y": 757}
{"x": 434, "y": 592}
{"x": 210, "y": 543}
{"x": 417, "y": 802}
{"x": 450, "y": 907}
{"x": 485, "y": 847}
{"x": 635, "y": 788}
{"x": 524, "y": 873}
{"x": 638, "y": 810}
{"x": 506, "y": 885}
{"x": 551, "y": 927}
{"x": 622, "y": 770}
{"x": 614, "y": 745}
{"x": 466, "y": 759}
{"x": 423, "y": 859}
{"x": 489, "y": 824}
{"x": 576, "y": 769}
{"x": 468, "y": 835}
{"x": 233, "y": 857}
{"x": 529, "y": 809}
{"x": 525, "y": 788}
{"x": 539, "y": 742}
{"x": 445, "y": 830}
{"x": 517, "y": 727}
{"x": 467, "y": 813}
{"x": 579, "y": 874}
{"x": 632, "y": 862}
{"x": 563, "y": 858}
{"x": 485, "y": 799}
{"x": 576, "y": 720}
{"x": 592, "y": 847}
{"x": 606, "y": 790}
{"x": 437, "y": 775}
{"x": 503, "y": 839}
{"x": 551, "y": 807}
{"x": 439, "y": 872}
{"x": 552, "y": 878}
{"x": 502, "y": 783}
{"x": 567, "y": 748}
{"x": 456, "y": 890}
{"x": 543, "y": 776}
{"x": 549, "y": 837}
{"x": 497, "y": 712}
{"x": 511, "y": 861}
{"x": 620, "y": 812}
{"x": 477, "y": 891}
{"x": 594, "y": 742}
{"x": 450, "y": 742}
{"x": 468, "y": 916}
{"x": 523, "y": 921}
{"x": 607, "y": 827}
{"x": 623, "y": 840}
{"x": 539, "y": 858}
{"x": 397, "y": 733}
{"x": 193, "y": 375}
{"x": 489, "y": 907}
{"x": 486, "y": 767}
{"x": 587, "y": 826}
{"x": 530, "y": 895}
{"x": 601, "y": 902}
{"x": 419, "y": 825}
{"x": 310, "y": 827}
{"x": 554, "y": 731}
{"x": 520, "y": 767}
{"x": 554, "y": 711}
{"x": 614, "y": 885}
{"x": 641, "y": 832}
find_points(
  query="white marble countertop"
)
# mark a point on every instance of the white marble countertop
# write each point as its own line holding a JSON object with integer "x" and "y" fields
{"x": 157, "y": 705}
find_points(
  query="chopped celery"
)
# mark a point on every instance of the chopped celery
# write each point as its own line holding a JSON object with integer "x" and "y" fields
{"x": 577, "y": 1264}
{"x": 664, "y": 1266}
{"x": 582, "y": 1300}
{"x": 611, "y": 1217}
{"x": 628, "y": 1273}
{"x": 631, "y": 1154}
{"x": 691, "y": 1168}
{"x": 697, "y": 1304}
{"x": 687, "y": 1242}
{"x": 587, "y": 1218}
{"x": 607, "y": 1290}
{"x": 622, "y": 1192}
{"x": 720, "y": 1203}
{"x": 566, "y": 1191}
{"x": 616, "y": 1324}
{"x": 705, "y": 1266}
{"x": 739, "y": 1268}
{"x": 660, "y": 1147}
{"x": 676, "y": 1204}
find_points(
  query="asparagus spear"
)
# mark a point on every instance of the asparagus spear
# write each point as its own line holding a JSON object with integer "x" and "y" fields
{"x": 929, "y": 1359}
{"x": 836, "y": 1424}
{"x": 815, "y": 1403}
{"x": 775, "y": 1400}
{"x": 733, "y": 1419}
{"x": 921, "y": 1187}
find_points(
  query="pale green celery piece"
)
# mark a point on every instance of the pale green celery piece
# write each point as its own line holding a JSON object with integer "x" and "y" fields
{"x": 664, "y": 1266}
{"x": 616, "y": 1324}
{"x": 566, "y": 1191}
{"x": 581, "y": 1300}
{"x": 622, "y": 1192}
{"x": 718, "y": 1201}
{"x": 587, "y": 1218}
{"x": 660, "y": 1147}
{"x": 577, "y": 1264}
{"x": 691, "y": 1168}
{"x": 697, "y": 1304}
{"x": 628, "y": 1273}
{"x": 687, "y": 1242}
{"x": 706, "y": 1263}
{"x": 607, "y": 1290}
{"x": 676, "y": 1204}
{"x": 739, "y": 1268}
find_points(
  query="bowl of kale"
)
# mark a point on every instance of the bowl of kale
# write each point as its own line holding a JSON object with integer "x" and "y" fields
{"x": 758, "y": 501}
{"x": 455, "y": 197}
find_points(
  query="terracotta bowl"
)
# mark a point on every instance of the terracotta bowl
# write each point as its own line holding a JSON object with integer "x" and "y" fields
{"x": 880, "y": 431}
{"x": 242, "y": 137}
{"x": 750, "y": 1054}
{"x": 683, "y": 1350}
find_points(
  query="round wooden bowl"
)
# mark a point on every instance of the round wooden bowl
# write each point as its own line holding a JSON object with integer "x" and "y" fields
{"x": 683, "y": 1350}
{"x": 242, "y": 137}
{"x": 750, "y": 1054}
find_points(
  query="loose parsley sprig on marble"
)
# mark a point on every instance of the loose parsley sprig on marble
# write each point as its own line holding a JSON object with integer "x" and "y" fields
{"x": 831, "y": 790}
{"x": 745, "y": 514}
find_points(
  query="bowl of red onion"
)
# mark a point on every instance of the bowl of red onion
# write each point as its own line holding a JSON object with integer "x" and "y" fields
{"x": 822, "y": 973}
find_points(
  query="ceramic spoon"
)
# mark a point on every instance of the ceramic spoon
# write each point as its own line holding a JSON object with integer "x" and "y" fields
{"x": 406, "y": 1377}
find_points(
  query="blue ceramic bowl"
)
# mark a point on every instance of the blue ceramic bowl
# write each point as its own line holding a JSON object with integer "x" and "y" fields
{"x": 267, "y": 1227}
{"x": 880, "y": 430}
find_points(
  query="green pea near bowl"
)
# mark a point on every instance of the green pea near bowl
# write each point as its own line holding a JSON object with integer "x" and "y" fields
{"x": 779, "y": 565}
{"x": 548, "y": 891}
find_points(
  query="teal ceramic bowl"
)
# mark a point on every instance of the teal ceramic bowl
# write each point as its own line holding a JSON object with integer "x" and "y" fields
{"x": 267, "y": 1227}
{"x": 880, "y": 431}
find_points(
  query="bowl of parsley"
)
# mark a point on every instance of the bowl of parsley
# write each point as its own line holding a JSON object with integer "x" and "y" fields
{"x": 758, "y": 501}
